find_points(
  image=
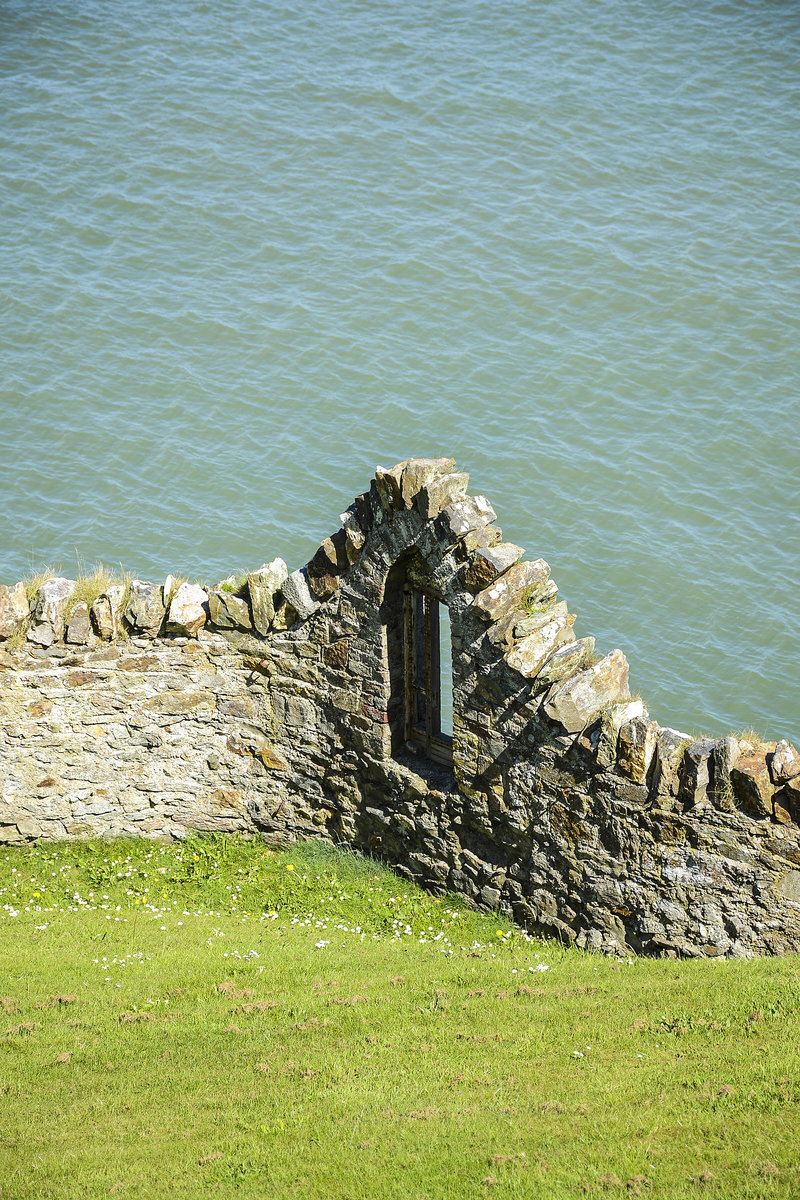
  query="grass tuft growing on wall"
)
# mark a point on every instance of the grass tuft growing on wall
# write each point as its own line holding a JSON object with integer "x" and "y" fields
{"x": 213, "y": 1018}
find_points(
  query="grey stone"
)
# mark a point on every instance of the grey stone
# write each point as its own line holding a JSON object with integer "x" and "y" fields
{"x": 580, "y": 701}
{"x": 487, "y": 535}
{"x": 723, "y": 759}
{"x": 440, "y": 493}
{"x": 354, "y": 534}
{"x": 297, "y": 593}
{"x": 695, "y": 774}
{"x": 469, "y": 514}
{"x": 670, "y": 747}
{"x": 566, "y": 661}
{"x": 530, "y": 655}
{"x": 529, "y": 622}
{"x": 419, "y": 473}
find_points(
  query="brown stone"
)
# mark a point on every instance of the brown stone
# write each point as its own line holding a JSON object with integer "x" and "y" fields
{"x": 785, "y": 762}
{"x": 82, "y": 678}
{"x": 489, "y": 563}
{"x": 138, "y": 662}
{"x": 387, "y": 485}
{"x": 337, "y": 654}
{"x": 328, "y": 563}
{"x": 271, "y": 760}
{"x": 78, "y": 630}
{"x": 788, "y": 798}
{"x": 752, "y": 786}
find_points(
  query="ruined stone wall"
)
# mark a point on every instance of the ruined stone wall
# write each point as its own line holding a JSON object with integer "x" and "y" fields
{"x": 273, "y": 704}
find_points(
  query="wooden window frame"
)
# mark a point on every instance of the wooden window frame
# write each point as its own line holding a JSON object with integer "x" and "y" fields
{"x": 421, "y": 638}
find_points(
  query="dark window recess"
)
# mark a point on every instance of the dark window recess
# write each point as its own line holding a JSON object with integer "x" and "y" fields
{"x": 428, "y": 675}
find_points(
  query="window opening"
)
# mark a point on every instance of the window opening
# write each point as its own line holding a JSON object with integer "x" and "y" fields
{"x": 429, "y": 687}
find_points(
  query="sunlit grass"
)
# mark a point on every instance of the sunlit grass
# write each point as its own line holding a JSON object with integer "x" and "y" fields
{"x": 212, "y": 1018}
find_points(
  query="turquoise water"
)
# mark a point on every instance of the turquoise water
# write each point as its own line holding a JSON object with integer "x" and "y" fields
{"x": 250, "y": 251}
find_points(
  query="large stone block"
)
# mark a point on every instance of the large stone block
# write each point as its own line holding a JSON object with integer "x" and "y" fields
{"x": 580, "y": 701}
{"x": 529, "y": 655}
{"x": 785, "y": 763}
{"x": 522, "y": 585}
{"x": 439, "y": 493}
{"x": 228, "y": 611}
{"x": 145, "y": 610}
{"x": 695, "y": 772}
{"x": 751, "y": 781}
{"x": 188, "y": 611}
{"x": 78, "y": 629}
{"x": 417, "y": 473}
{"x": 723, "y": 758}
{"x": 50, "y": 611}
{"x": 670, "y": 747}
{"x": 611, "y": 721}
{"x": 298, "y": 595}
{"x": 326, "y": 566}
{"x": 468, "y": 514}
{"x": 263, "y": 585}
{"x": 13, "y": 609}
{"x": 635, "y": 748}
{"x": 566, "y": 661}
{"x": 489, "y": 563}
{"x": 106, "y": 612}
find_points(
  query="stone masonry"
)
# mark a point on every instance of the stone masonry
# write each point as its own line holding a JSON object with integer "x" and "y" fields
{"x": 273, "y": 704}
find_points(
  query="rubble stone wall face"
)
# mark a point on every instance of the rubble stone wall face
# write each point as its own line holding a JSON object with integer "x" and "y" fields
{"x": 275, "y": 705}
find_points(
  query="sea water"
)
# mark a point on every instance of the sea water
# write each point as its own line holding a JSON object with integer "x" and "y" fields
{"x": 248, "y": 251}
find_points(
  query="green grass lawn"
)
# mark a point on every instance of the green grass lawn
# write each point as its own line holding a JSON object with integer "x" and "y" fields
{"x": 214, "y": 1019}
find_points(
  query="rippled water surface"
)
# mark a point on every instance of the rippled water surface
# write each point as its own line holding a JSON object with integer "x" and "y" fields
{"x": 250, "y": 250}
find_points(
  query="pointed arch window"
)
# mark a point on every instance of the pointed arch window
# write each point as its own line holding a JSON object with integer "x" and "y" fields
{"x": 428, "y": 674}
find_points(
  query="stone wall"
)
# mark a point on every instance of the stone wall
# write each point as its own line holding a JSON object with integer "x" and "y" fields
{"x": 274, "y": 703}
